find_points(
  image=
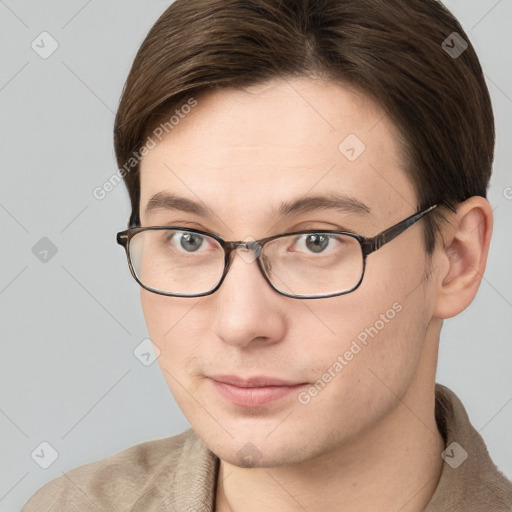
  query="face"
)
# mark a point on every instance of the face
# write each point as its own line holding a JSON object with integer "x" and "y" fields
{"x": 265, "y": 379}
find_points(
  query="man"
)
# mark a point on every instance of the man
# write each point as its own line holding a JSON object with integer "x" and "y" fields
{"x": 308, "y": 186}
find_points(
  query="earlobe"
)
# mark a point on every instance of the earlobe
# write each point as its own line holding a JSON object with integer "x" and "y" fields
{"x": 466, "y": 239}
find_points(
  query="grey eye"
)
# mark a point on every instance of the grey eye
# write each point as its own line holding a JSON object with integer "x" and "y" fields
{"x": 317, "y": 242}
{"x": 191, "y": 241}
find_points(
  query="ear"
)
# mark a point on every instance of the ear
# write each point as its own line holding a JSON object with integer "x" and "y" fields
{"x": 462, "y": 256}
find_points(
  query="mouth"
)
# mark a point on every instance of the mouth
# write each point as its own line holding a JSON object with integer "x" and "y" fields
{"x": 258, "y": 391}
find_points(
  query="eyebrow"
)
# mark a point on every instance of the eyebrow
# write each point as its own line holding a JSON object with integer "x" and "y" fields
{"x": 166, "y": 201}
{"x": 333, "y": 201}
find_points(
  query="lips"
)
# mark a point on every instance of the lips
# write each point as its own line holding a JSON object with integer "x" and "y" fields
{"x": 258, "y": 391}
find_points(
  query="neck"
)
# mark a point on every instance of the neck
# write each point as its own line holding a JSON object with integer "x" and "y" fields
{"x": 394, "y": 465}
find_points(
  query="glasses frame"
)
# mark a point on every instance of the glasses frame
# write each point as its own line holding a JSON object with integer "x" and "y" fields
{"x": 368, "y": 246}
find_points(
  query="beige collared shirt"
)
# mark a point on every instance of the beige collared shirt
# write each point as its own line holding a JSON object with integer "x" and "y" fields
{"x": 178, "y": 474}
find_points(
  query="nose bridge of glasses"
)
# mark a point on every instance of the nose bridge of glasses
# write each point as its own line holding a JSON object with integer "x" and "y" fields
{"x": 249, "y": 244}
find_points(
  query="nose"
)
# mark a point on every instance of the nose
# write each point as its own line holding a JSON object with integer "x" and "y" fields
{"x": 247, "y": 310}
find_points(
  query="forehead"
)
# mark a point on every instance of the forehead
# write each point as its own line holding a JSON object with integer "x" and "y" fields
{"x": 239, "y": 151}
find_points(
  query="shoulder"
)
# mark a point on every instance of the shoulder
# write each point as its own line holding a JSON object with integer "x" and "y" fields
{"x": 477, "y": 484}
{"x": 121, "y": 480}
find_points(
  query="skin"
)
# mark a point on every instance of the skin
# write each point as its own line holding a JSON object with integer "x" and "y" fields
{"x": 369, "y": 439}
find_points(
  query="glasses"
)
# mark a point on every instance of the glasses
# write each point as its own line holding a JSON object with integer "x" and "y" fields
{"x": 183, "y": 262}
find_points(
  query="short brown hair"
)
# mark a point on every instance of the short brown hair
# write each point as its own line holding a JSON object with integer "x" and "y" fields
{"x": 391, "y": 50}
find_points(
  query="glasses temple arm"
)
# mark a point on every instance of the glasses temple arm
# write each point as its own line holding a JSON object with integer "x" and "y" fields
{"x": 372, "y": 244}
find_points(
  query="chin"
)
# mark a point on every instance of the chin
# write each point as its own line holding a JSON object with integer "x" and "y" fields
{"x": 256, "y": 450}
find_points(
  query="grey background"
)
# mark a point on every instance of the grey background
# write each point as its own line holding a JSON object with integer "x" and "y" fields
{"x": 70, "y": 324}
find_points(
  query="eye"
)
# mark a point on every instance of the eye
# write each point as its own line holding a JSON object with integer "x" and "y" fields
{"x": 190, "y": 242}
{"x": 316, "y": 242}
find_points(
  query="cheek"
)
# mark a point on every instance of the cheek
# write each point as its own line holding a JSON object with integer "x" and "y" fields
{"x": 350, "y": 336}
{"x": 160, "y": 315}
{"x": 172, "y": 329}
{"x": 357, "y": 378}
{"x": 168, "y": 320}
{"x": 370, "y": 340}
